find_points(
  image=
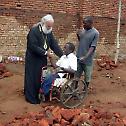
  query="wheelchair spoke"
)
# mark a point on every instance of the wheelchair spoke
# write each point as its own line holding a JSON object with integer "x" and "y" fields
{"x": 78, "y": 97}
{"x": 81, "y": 92}
{"x": 68, "y": 93}
{"x": 68, "y": 99}
{"x": 70, "y": 88}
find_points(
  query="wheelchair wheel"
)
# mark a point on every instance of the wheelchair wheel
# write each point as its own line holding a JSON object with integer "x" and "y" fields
{"x": 73, "y": 93}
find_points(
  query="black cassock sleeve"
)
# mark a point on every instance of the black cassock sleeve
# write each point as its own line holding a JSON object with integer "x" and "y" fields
{"x": 33, "y": 45}
{"x": 55, "y": 47}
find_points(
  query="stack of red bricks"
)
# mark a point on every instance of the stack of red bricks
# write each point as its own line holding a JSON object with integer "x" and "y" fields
{"x": 105, "y": 62}
{"x": 4, "y": 72}
{"x": 56, "y": 116}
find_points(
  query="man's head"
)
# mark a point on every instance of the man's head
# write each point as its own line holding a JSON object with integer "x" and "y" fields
{"x": 68, "y": 48}
{"x": 88, "y": 22}
{"x": 47, "y": 23}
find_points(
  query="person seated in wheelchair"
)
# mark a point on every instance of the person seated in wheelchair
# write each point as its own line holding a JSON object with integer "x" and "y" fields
{"x": 67, "y": 64}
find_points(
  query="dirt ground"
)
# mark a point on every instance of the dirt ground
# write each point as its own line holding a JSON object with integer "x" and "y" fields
{"x": 108, "y": 90}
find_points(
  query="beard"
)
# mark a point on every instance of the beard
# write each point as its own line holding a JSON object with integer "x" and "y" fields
{"x": 45, "y": 30}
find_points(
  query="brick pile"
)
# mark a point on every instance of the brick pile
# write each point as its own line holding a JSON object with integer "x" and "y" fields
{"x": 4, "y": 72}
{"x": 56, "y": 116}
{"x": 106, "y": 62}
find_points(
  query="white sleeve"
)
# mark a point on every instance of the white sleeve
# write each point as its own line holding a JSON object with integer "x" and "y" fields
{"x": 73, "y": 63}
{"x": 58, "y": 63}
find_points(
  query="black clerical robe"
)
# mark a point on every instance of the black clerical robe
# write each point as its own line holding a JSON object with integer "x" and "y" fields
{"x": 35, "y": 59}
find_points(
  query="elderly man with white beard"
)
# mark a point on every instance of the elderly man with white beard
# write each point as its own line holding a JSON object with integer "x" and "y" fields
{"x": 39, "y": 39}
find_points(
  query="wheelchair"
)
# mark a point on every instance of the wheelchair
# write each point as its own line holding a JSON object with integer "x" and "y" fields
{"x": 67, "y": 90}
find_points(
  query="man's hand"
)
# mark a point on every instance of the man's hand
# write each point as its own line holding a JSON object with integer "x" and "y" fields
{"x": 82, "y": 59}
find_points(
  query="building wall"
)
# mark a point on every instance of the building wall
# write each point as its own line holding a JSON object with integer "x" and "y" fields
{"x": 18, "y": 16}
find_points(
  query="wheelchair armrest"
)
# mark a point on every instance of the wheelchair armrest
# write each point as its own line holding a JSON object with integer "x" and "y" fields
{"x": 62, "y": 72}
{"x": 67, "y": 75}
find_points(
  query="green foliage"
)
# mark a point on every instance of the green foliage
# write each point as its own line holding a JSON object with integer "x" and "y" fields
{"x": 19, "y": 54}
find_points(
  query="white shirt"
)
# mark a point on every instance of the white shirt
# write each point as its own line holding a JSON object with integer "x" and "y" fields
{"x": 69, "y": 61}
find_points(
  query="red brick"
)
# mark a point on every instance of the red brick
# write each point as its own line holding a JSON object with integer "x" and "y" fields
{"x": 43, "y": 122}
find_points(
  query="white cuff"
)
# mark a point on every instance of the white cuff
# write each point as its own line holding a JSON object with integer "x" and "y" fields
{"x": 45, "y": 53}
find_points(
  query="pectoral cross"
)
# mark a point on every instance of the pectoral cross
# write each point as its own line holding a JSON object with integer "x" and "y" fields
{"x": 45, "y": 42}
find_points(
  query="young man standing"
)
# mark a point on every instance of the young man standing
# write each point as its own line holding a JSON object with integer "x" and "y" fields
{"x": 88, "y": 38}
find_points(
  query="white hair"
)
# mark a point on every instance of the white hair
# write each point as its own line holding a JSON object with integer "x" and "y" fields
{"x": 46, "y": 18}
